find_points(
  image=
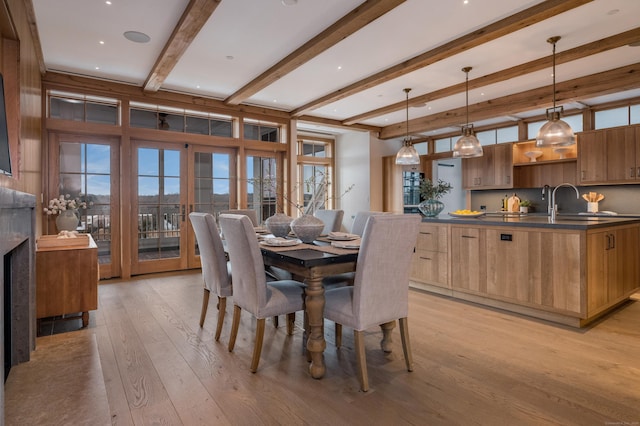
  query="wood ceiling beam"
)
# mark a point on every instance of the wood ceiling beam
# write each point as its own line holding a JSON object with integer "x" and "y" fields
{"x": 576, "y": 53}
{"x": 355, "y": 20}
{"x": 604, "y": 83}
{"x": 515, "y": 22}
{"x": 33, "y": 29}
{"x": 191, "y": 22}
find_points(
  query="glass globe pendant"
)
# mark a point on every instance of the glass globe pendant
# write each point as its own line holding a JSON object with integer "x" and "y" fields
{"x": 407, "y": 155}
{"x": 555, "y": 132}
{"x": 468, "y": 145}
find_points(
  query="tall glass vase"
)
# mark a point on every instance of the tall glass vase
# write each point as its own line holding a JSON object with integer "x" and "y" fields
{"x": 431, "y": 208}
{"x": 67, "y": 220}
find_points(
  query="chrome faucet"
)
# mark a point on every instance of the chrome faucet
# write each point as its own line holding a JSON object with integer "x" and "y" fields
{"x": 554, "y": 209}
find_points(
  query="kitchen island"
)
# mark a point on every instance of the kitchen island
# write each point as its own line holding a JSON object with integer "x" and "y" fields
{"x": 571, "y": 271}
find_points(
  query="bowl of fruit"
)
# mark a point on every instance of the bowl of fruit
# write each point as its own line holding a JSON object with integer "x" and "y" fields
{"x": 466, "y": 213}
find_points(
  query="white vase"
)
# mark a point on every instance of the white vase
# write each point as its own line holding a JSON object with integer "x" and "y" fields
{"x": 67, "y": 220}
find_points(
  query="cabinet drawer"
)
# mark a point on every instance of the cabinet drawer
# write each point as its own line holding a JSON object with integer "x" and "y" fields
{"x": 430, "y": 267}
{"x": 432, "y": 238}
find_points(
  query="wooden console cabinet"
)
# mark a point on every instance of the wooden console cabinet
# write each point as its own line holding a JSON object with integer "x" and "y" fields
{"x": 67, "y": 280}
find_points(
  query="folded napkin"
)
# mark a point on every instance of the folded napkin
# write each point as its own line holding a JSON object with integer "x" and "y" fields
{"x": 280, "y": 242}
{"x": 346, "y": 244}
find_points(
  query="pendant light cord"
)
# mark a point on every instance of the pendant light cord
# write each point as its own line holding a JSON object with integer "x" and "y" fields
{"x": 406, "y": 139}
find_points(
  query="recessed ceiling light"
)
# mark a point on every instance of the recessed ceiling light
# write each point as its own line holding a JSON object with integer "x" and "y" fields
{"x": 136, "y": 37}
{"x": 339, "y": 67}
{"x": 289, "y": 2}
{"x": 97, "y": 68}
{"x": 101, "y": 42}
{"x": 108, "y": 2}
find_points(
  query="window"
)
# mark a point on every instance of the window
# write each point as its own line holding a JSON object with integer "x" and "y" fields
{"x": 443, "y": 145}
{"x": 177, "y": 120}
{"x": 612, "y": 118}
{"x": 315, "y": 163}
{"x": 75, "y": 107}
{"x": 257, "y": 131}
{"x": 263, "y": 185}
{"x": 507, "y": 134}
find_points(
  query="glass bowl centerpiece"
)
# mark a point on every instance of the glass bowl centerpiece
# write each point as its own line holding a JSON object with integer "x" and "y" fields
{"x": 431, "y": 193}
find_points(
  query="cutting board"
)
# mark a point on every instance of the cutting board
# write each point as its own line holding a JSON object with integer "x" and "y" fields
{"x": 513, "y": 203}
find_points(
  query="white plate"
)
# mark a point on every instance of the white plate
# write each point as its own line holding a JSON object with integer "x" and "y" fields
{"x": 342, "y": 236}
{"x": 346, "y": 244}
{"x": 261, "y": 230}
{"x": 280, "y": 242}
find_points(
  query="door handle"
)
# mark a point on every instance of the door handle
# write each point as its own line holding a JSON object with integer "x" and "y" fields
{"x": 425, "y": 258}
{"x": 184, "y": 208}
{"x": 468, "y": 236}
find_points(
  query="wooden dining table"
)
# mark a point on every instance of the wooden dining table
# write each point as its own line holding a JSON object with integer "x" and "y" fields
{"x": 311, "y": 263}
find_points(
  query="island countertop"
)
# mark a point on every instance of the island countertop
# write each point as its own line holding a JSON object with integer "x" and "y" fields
{"x": 563, "y": 221}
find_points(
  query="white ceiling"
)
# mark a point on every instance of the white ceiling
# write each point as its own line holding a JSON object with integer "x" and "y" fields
{"x": 243, "y": 38}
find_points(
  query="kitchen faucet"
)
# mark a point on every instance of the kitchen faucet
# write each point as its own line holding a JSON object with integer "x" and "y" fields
{"x": 554, "y": 209}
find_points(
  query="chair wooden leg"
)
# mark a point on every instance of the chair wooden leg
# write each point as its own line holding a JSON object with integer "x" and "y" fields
{"x": 291, "y": 319}
{"x": 222, "y": 307}
{"x": 406, "y": 343}
{"x": 205, "y": 304}
{"x": 358, "y": 337}
{"x": 275, "y": 321}
{"x": 234, "y": 327}
{"x": 338, "y": 335}
{"x": 257, "y": 347}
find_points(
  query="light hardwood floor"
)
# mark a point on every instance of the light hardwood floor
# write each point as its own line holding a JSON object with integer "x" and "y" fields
{"x": 473, "y": 365}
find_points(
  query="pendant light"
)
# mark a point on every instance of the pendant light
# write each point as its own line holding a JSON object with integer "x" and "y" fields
{"x": 468, "y": 145}
{"x": 555, "y": 132}
{"x": 407, "y": 154}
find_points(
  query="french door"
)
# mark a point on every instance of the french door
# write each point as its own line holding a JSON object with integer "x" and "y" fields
{"x": 87, "y": 167}
{"x": 158, "y": 207}
{"x": 213, "y": 186}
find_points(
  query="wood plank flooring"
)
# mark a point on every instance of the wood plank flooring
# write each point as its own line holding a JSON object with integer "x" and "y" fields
{"x": 473, "y": 366}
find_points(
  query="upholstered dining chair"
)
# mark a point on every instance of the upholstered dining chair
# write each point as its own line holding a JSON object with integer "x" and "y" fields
{"x": 216, "y": 273}
{"x": 332, "y": 219}
{"x": 251, "y": 291}
{"x": 252, "y": 214}
{"x": 380, "y": 293}
{"x": 360, "y": 221}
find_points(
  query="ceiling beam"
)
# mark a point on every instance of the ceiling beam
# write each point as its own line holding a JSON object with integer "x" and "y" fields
{"x": 355, "y": 20}
{"x": 576, "y": 53}
{"x": 30, "y": 14}
{"x": 604, "y": 83}
{"x": 515, "y": 22}
{"x": 191, "y": 22}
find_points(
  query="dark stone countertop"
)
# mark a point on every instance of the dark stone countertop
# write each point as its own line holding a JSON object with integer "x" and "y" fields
{"x": 563, "y": 221}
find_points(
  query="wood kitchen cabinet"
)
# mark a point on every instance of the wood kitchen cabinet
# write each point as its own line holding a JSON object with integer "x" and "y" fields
{"x": 67, "y": 280}
{"x": 612, "y": 267}
{"x": 493, "y": 170}
{"x": 468, "y": 258}
{"x": 430, "y": 263}
{"x": 609, "y": 156}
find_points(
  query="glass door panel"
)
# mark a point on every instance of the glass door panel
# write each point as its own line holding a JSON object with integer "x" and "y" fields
{"x": 159, "y": 206}
{"x": 212, "y": 186}
{"x": 262, "y": 183}
{"x": 86, "y": 171}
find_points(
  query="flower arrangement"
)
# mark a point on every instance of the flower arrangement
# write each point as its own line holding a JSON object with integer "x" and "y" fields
{"x": 433, "y": 191}
{"x": 63, "y": 203}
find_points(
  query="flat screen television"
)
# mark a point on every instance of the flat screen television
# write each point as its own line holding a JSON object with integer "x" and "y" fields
{"x": 5, "y": 156}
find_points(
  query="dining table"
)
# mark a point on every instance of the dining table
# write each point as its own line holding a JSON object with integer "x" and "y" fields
{"x": 310, "y": 263}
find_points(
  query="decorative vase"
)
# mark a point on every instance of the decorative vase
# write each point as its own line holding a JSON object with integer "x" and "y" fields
{"x": 431, "y": 208}
{"x": 67, "y": 220}
{"x": 279, "y": 224}
{"x": 307, "y": 227}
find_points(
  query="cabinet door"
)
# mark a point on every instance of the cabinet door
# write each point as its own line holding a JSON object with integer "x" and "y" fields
{"x": 592, "y": 159}
{"x": 621, "y": 154}
{"x": 432, "y": 238}
{"x": 430, "y": 267}
{"x": 503, "y": 165}
{"x": 468, "y": 259}
{"x": 472, "y": 172}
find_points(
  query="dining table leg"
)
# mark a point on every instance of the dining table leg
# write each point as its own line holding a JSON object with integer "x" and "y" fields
{"x": 315, "y": 335}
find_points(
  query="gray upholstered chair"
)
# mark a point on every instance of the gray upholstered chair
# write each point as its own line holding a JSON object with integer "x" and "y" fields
{"x": 360, "y": 221}
{"x": 252, "y": 214}
{"x": 380, "y": 293}
{"x": 251, "y": 291}
{"x": 332, "y": 219}
{"x": 216, "y": 273}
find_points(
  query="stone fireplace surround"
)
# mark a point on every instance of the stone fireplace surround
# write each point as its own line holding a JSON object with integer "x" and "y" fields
{"x": 17, "y": 250}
